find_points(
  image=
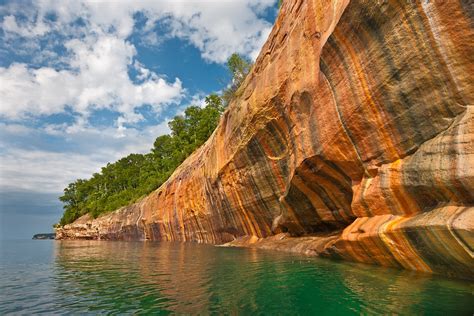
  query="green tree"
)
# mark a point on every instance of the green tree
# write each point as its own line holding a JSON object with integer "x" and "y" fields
{"x": 239, "y": 67}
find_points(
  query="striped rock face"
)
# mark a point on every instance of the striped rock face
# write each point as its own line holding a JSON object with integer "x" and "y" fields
{"x": 352, "y": 137}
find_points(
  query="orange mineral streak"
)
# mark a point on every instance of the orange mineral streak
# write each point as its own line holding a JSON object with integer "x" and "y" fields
{"x": 400, "y": 247}
{"x": 383, "y": 136}
{"x": 352, "y": 137}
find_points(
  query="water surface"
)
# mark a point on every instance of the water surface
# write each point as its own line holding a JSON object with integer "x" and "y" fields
{"x": 92, "y": 277}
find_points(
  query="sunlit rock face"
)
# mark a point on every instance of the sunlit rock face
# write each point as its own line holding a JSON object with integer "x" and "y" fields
{"x": 355, "y": 129}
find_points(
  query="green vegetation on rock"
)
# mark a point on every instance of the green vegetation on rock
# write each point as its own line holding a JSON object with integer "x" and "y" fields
{"x": 132, "y": 177}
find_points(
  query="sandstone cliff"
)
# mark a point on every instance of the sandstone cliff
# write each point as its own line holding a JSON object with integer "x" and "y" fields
{"x": 352, "y": 138}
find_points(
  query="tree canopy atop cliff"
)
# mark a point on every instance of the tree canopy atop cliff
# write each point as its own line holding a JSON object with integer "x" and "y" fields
{"x": 130, "y": 178}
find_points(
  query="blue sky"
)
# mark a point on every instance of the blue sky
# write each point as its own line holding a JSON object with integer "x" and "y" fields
{"x": 83, "y": 83}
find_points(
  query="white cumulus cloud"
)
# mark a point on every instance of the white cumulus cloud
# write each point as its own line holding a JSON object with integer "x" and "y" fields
{"x": 41, "y": 169}
{"x": 94, "y": 69}
{"x": 98, "y": 79}
{"x": 216, "y": 28}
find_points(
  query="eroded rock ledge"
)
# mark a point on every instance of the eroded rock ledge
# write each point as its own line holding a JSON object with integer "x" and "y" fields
{"x": 352, "y": 138}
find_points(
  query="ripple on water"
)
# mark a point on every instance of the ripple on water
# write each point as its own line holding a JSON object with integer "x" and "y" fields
{"x": 69, "y": 277}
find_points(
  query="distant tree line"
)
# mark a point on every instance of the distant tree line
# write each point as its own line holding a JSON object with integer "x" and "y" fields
{"x": 132, "y": 177}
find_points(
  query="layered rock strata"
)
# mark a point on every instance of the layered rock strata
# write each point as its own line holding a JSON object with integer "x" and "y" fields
{"x": 352, "y": 138}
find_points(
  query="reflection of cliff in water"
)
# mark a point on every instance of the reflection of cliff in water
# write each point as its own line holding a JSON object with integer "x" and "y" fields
{"x": 188, "y": 278}
{"x": 405, "y": 292}
{"x": 173, "y": 276}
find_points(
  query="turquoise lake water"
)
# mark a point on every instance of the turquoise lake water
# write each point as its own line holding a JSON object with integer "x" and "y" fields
{"x": 91, "y": 277}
